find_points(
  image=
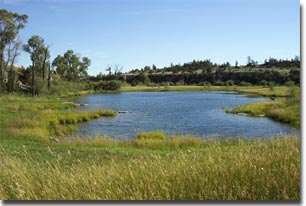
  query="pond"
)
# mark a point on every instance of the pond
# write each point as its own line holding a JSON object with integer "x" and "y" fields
{"x": 199, "y": 114}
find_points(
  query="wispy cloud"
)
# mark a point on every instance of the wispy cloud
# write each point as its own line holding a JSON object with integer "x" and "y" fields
{"x": 156, "y": 11}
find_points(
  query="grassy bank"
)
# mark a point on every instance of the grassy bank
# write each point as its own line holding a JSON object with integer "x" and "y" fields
{"x": 40, "y": 118}
{"x": 276, "y": 110}
{"x": 282, "y": 109}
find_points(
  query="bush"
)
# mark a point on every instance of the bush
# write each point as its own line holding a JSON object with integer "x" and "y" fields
{"x": 243, "y": 83}
{"x": 156, "y": 135}
{"x": 108, "y": 85}
{"x": 41, "y": 87}
{"x": 180, "y": 83}
{"x": 219, "y": 83}
{"x": 263, "y": 83}
{"x": 230, "y": 83}
{"x": 62, "y": 87}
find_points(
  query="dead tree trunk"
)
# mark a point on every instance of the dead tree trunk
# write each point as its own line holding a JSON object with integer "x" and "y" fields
{"x": 33, "y": 79}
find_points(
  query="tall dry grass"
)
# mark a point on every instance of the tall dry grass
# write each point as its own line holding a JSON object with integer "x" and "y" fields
{"x": 244, "y": 170}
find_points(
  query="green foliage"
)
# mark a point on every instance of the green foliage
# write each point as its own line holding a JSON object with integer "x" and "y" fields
{"x": 152, "y": 136}
{"x": 62, "y": 87}
{"x": 41, "y": 87}
{"x": 10, "y": 24}
{"x": 112, "y": 85}
{"x": 70, "y": 67}
{"x": 230, "y": 83}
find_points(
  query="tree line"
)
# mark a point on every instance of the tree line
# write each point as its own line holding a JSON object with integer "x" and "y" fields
{"x": 205, "y": 72}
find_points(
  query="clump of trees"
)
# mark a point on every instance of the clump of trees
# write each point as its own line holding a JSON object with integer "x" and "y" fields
{"x": 10, "y": 25}
{"x": 111, "y": 85}
{"x": 70, "y": 66}
{"x": 40, "y": 57}
{"x": 37, "y": 77}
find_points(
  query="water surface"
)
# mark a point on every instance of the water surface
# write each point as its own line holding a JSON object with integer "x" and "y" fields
{"x": 195, "y": 113}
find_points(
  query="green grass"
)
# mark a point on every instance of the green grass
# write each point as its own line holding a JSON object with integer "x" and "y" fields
{"x": 40, "y": 118}
{"x": 277, "y": 110}
{"x": 155, "y": 136}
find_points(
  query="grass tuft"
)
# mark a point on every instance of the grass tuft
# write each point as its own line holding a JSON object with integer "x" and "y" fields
{"x": 151, "y": 136}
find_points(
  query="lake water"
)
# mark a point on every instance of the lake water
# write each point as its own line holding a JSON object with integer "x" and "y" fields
{"x": 196, "y": 113}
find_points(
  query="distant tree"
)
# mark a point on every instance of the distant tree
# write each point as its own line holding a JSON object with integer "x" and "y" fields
{"x": 249, "y": 61}
{"x": 147, "y": 68}
{"x": 236, "y": 64}
{"x": 117, "y": 69}
{"x": 154, "y": 67}
{"x": 109, "y": 70}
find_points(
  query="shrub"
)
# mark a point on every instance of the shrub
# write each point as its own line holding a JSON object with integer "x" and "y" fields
{"x": 179, "y": 83}
{"x": 263, "y": 83}
{"x": 230, "y": 83}
{"x": 156, "y": 135}
{"x": 219, "y": 83}
{"x": 243, "y": 83}
{"x": 108, "y": 85}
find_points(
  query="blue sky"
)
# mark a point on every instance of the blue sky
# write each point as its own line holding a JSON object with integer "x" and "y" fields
{"x": 135, "y": 33}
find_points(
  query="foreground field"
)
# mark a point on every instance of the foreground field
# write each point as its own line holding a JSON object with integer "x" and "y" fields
{"x": 35, "y": 166}
{"x": 234, "y": 170}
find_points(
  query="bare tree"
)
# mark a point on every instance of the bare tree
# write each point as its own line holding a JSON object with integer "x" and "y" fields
{"x": 109, "y": 69}
{"x": 117, "y": 69}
